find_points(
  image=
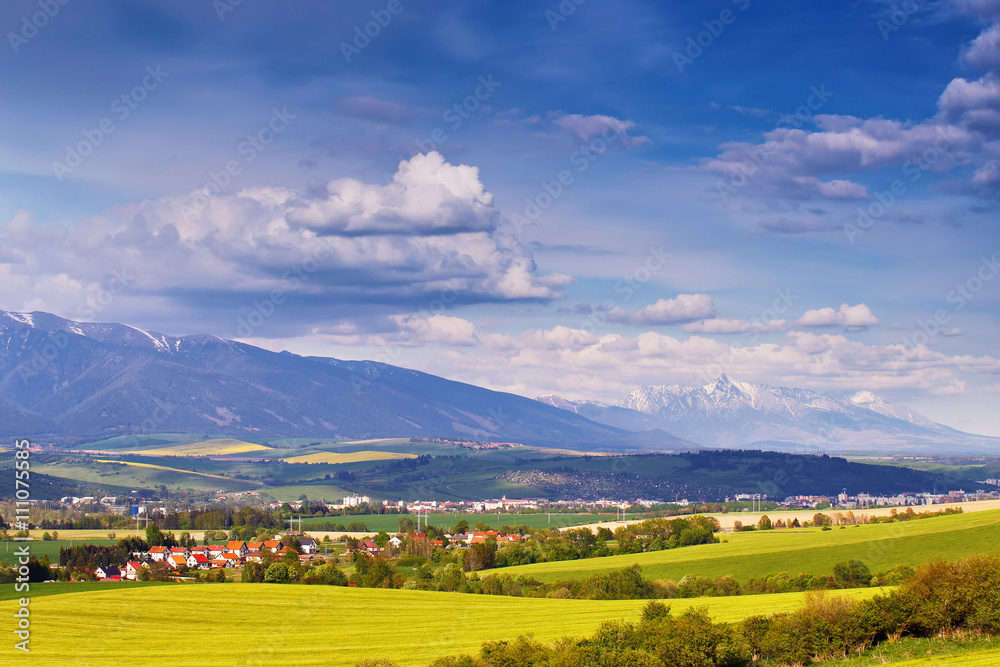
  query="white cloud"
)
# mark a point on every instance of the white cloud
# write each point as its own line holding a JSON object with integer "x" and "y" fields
{"x": 797, "y": 163}
{"x": 431, "y": 230}
{"x": 682, "y": 308}
{"x": 586, "y": 128}
{"x": 435, "y": 330}
{"x": 724, "y": 325}
{"x": 582, "y": 363}
{"x": 852, "y": 317}
{"x": 984, "y": 51}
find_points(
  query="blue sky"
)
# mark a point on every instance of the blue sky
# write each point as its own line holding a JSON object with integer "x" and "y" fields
{"x": 577, "y": 198}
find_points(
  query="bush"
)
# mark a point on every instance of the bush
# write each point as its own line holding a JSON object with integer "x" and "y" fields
{"x": 852, "y": 573}
{"x": 330, "y": 575}
{"x": 277, "y": 573}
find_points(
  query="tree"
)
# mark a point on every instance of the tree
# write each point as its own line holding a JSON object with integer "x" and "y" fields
{"x": 480, "y": 556}
{"x": 277, "y": 573}
{"x": 253, "y": 573}
{"x": 329, "y": 574}
{"x": 461, "y": 527}
{"x": 764, "y": 523}
{"x": 382, "y": 539}
{"x": 852, "y": 573}
{"x": 154, "y": 537}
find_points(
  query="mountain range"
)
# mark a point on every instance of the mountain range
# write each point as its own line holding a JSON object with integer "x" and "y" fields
{"x": 66, "y": 380}
{"x": 731, "y": 414}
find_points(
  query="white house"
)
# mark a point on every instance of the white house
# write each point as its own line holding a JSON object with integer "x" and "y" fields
{"x": 132, "y": 569}
{"x": 199, "y": 561}
{"x": 184, "y": 552}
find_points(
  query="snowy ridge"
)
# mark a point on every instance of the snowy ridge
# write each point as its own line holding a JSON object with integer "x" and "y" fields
{"x": 725, "y": 397}
{"x": 735, "y": 414}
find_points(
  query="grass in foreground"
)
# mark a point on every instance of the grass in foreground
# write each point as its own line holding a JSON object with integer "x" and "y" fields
{"x": 917, "y": 652}
{"x": 805, "y": 551}
{"x": 318, "y": 625}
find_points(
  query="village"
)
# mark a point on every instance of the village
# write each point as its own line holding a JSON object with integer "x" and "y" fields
{"x": 236, "y": 554}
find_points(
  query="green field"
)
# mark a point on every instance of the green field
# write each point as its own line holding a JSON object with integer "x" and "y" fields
{"x": 315, "y": 625}
{"x": 807, "y": 551}
{"x": 8, "y": 592}
{"x": 50, "y": 548}
{"x": 914, "y": 652}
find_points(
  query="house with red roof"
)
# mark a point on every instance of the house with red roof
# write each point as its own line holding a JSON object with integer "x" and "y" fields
{"x": 184, "y": 552}
{"x": 231, "y": 560}
{"x": 273, "y": 546}
{"x": 198, "y": 561}
{"x": 216, "y": 550}
{"x": 239, "y": 548}
{"x": 132, "y": 569}
{"x": 158, "y": 554}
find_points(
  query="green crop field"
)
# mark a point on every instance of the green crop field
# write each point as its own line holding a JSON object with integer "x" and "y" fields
{"x": 50, "y": 548}
{"x": 314, "y": 625}
{"x": 806, "y": 551}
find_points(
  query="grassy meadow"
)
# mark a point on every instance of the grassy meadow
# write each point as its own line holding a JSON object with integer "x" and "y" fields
{"x": 315, "y": 625}
{"x": 800, "y": 551}
{"x": 914, "y": 652}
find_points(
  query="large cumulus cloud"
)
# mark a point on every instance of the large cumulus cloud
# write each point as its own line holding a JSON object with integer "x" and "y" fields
{"x": 432, "y": 230}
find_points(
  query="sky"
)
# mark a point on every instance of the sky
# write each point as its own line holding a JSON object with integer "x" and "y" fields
{"x": 576, "y": 197}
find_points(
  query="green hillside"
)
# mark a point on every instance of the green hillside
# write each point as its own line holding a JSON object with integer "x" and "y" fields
{"x": 805, "y": 551}
{"x": 315, "y": 625}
